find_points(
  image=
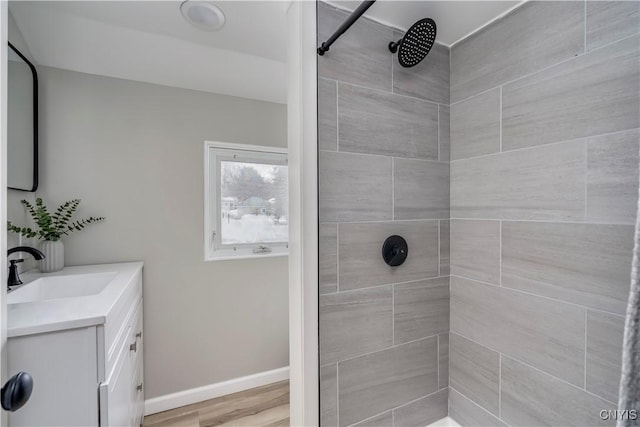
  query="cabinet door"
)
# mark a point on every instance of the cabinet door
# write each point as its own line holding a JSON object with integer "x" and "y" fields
{"x": 116, "y": 393}
{"x": 65, "y": 375}
{"x": 137, "y": 388}
{"x": 137, "y": 385}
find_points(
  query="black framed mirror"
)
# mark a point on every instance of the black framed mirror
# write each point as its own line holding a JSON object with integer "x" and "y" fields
{"x": 22, "y": 122}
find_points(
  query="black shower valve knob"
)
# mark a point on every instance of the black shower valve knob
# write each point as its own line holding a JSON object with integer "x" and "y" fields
{"x": 395, "y": 250}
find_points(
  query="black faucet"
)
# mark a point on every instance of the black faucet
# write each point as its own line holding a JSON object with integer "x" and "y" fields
{"x": 14, "y": 278}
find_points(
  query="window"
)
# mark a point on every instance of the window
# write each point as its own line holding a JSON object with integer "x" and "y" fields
{"x": 246, "y": 201}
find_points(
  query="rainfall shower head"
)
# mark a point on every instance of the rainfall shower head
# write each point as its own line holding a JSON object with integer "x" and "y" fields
{"x": 416, "y": 43}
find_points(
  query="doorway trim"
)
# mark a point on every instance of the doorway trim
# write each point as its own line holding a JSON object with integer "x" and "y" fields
{"x": 303, "y": 209}
{"x": 4, "y": 37}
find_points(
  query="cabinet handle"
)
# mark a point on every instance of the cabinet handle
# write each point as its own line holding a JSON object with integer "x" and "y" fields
{"x": 139, "y": 334}
{"x": 139, "y": 387}
{"x": 134, "y": 346}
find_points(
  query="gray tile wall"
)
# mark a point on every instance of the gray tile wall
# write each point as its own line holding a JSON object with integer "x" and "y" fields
{"x": 544, "y": 183}
{"x": 383, "y": 169}
{"x": 506, "y": 50}
{"x": 533, "y": 217}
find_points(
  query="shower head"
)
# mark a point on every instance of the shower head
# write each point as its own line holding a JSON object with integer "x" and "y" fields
{"x": 416, "y": 43}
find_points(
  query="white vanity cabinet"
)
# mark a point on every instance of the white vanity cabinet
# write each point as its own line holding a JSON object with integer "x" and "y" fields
{"x": 122, "y": 390}
{"x": 87, "y": 374}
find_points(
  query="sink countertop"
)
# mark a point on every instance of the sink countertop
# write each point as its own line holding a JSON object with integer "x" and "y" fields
{"x": 67, "y": 313}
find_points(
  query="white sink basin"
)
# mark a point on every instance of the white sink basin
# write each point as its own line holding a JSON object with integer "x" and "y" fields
{"x": 63, "y": 286}
{"x": 75, "y": 297}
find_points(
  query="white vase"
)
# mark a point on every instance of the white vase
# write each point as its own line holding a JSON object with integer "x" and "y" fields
{"x": 53, "y": 256}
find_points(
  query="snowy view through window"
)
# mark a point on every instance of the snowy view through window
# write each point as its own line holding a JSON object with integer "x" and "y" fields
{"x": 253, "y": 203}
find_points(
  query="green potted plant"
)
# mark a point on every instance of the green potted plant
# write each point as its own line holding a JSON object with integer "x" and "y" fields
{"x": 50, "y": 228}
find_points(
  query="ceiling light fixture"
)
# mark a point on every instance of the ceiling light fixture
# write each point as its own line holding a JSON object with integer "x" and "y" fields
{"x": 203, "y": 15}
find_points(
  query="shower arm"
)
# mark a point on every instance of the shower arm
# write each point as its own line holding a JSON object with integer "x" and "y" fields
{"x": 324, "y": 47}
{"x": 393, "y": 46}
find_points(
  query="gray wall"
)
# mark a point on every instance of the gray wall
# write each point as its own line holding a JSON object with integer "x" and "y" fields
{"x": 133, "y": 152}
{"x": 384, "y": 169}
{"x": 544, "y": 183}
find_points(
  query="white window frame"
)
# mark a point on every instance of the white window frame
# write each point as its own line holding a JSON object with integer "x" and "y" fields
{"x": 213, "y": 152}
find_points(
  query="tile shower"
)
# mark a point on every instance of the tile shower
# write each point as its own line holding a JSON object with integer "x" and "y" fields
{"x": 383, "y": 134}
{"x": 510, "y": 164}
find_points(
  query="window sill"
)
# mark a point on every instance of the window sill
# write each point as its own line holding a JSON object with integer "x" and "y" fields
{"x": 227, "y": 256}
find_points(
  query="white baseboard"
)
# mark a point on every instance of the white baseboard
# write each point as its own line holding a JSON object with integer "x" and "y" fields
{"x": 211, "y": 391}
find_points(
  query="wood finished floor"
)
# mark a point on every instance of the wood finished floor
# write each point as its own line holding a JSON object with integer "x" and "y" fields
{"x": 266, "y": 406}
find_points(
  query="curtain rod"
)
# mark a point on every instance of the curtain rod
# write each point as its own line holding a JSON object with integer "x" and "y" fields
{"x": 324, "y": 47}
